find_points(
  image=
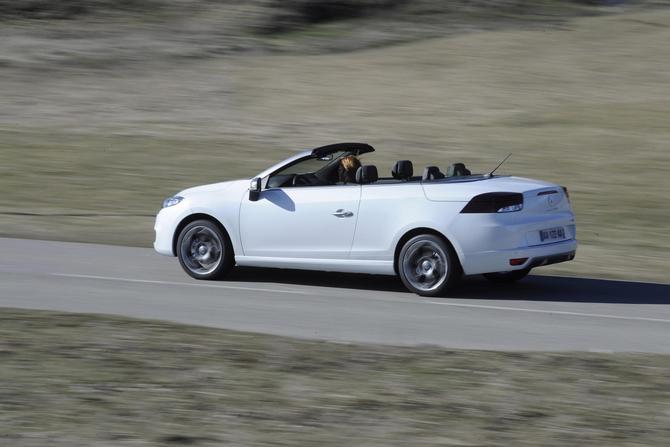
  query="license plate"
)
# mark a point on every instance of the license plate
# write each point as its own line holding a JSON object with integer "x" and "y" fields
{"x": 552, "y": 234}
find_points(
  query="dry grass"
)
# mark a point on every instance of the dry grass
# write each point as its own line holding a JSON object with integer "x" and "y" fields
{"x": 585, "y": 104}
{"x": 82, "y": 380}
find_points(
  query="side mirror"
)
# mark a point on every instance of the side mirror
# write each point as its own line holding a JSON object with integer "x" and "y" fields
{"x": 255, "y": 189}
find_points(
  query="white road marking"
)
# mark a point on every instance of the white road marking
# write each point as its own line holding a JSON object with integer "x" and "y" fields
{"x": 176, "y": 283}
{"x": 552, "y": 312}
{"x": 301, "y": 292}
{"x": 315, "y": 294}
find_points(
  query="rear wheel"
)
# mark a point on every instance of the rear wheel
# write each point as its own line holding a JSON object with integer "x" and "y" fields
{"x": 507, "y": 277}
{"x": 204, "y": 250}
{"x": 427, "y": 265}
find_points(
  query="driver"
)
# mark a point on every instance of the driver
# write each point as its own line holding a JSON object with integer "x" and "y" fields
{"x": 347, "y": 170}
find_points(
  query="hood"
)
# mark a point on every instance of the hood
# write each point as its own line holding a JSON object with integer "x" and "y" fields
{"x": 214, "y": 187}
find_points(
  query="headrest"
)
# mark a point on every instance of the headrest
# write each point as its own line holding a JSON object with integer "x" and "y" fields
{"x": 402, "y": 169}
{"x": 431, "y": 173}
{"x": 367, "y": 174}
{"x": 457, "y": 170}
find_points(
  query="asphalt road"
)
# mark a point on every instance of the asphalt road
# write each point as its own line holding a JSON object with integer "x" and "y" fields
{"x": 539, "y": 313}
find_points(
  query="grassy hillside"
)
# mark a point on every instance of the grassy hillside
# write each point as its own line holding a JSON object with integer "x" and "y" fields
{"x": 83, "y": 380}
{"x": 106, "y": 113}
{"x": 107, "y": 34}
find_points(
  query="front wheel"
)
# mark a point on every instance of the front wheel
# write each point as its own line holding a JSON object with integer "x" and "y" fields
{"x": 427, "y": 265}
{"x": 204, "y": 250}
{"x": 507, "y": 277}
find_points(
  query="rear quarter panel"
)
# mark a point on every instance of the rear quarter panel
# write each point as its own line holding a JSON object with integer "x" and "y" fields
{"x": 388, "y": 211}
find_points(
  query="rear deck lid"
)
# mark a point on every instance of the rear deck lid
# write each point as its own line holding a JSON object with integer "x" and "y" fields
{"x": 463, "y": 189}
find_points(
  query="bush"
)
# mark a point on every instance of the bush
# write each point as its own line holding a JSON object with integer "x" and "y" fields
{"x": 68, "y": 9}
{"x": 291, "y": 14}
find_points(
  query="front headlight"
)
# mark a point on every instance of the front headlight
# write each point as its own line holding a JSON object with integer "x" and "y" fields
{"x": 172, "y": 201}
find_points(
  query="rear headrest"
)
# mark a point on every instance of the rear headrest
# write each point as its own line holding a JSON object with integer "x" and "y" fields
{"x": 367, "y": 174}
{"x": 402, "y": 169}
{"x": 457, "y": 170}
{"x": 431, "y": 173}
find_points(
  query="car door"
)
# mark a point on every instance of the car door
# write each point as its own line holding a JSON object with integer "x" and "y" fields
{"x": 315, "y": 222}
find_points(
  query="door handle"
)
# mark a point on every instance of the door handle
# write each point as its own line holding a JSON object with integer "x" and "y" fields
{"x": 342, "y": 213}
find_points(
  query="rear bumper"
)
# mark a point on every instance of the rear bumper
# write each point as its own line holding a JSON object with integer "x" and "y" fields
{"x": 551, "y": 259}
{"x": 499, "y": 260}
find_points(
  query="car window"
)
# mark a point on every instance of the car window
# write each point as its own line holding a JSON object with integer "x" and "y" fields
{"x": 311, "y": 165}
{"x": 309, "y": 172}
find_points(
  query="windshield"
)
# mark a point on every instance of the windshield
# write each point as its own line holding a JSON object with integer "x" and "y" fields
{"x": 313, "y": 165}
{"x": 311, "y": 171}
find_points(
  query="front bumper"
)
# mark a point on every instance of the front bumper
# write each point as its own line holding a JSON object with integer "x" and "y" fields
{"x": 165, "y": 226}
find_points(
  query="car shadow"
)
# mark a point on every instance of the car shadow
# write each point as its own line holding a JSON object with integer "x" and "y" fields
{"x": 566, "y": 289}
{"x": 381, "y": 283}
{"x": 532, "y": 288}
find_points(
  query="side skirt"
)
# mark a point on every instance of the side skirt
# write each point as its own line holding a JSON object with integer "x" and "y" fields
{"x": 328, "y": 265}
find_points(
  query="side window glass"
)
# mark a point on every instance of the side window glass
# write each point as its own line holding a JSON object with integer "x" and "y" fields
{"x": 308, "y": 172}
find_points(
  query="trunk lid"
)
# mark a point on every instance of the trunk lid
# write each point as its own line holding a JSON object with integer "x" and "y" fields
{"x": 462, "y": 190}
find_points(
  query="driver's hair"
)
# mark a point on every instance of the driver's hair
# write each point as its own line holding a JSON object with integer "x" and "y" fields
{"x": 348, "y": 167}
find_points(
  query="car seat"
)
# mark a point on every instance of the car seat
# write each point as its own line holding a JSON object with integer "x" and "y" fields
{"x": 367, "y": 174}
{"x": 402, "y": 170}
{"x": 431, "y": 173}
{"x": 457, "y": 170}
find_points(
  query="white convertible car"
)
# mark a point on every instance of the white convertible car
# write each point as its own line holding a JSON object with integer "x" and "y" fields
{"x": 428, "y": 229}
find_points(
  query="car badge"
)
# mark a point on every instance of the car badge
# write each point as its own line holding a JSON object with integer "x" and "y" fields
{"x": 552, "y": 200}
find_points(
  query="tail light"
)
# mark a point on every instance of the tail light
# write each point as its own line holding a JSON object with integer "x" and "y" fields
{"x": 495, "y": 202}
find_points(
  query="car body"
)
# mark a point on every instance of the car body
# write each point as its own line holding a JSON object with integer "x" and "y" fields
{"x": 296, "y": 215}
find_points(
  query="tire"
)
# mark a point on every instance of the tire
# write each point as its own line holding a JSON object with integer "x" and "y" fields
{"x": 427, "y": 265}
{"x": 204, "y": 250}
{"x": 507, "y": 277}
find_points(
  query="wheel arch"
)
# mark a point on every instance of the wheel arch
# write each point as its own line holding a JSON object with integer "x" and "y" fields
{"x": 192, "y": 218}
{"x": 415, "y": 232}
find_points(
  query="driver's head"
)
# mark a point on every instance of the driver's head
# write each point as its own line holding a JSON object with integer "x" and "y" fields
{"x": 348, "y": 167}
